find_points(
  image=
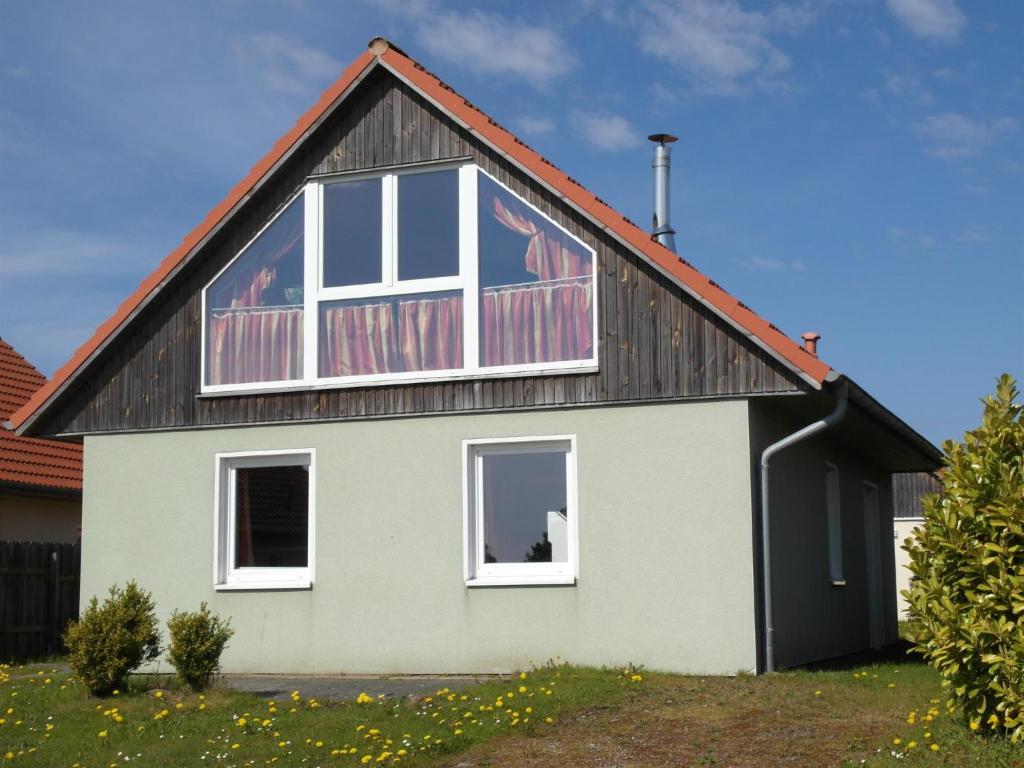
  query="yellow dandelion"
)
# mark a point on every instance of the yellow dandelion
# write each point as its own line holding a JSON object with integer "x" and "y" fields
{"x": 235, "y": 746}
{"x": 934, "y": 747}
{"x": 102, "y": 734}
{"x": 897, "y": 741}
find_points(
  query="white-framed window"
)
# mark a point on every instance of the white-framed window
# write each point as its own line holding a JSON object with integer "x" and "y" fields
{"x": 264, "y": 519}
{"x": 425, "y": 273}
{"x": 834, "y": 523}
{"x": 520, "y": 508}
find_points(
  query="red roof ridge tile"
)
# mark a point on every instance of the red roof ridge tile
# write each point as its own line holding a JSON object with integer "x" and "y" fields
{"x": 446, "y": 98}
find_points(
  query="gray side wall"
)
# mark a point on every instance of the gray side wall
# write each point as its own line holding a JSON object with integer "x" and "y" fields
{"x": 39, "y": 518}
{"x": 814, "y": 619}
{"x": 665, "y": 555}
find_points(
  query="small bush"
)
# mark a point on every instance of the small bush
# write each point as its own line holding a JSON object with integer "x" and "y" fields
{"x": 197, "y": 641}
{"x": 111, "y": 640}
{"x": 967, "y": 595}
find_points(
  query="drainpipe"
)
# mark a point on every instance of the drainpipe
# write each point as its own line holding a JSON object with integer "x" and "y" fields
{"x": 811, "y": 429}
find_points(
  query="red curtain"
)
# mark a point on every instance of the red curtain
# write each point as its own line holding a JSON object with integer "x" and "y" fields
{"x": 547, "y": 321}
{"x": 255, "y": 344}
{"x": 391, "y": 336}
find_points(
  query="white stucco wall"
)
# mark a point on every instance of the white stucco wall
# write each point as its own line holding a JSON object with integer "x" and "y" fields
{"x": 903, "y": 528}
{"x": 665, "y": 572}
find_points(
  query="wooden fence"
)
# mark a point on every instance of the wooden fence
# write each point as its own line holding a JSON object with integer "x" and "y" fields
{"x": 38, "y": 597}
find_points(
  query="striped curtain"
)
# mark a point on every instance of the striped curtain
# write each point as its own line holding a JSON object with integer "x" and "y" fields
{"x": 253, "y": 344}
{"x": 391, "y": 336}
{"x": 543, "y": 322}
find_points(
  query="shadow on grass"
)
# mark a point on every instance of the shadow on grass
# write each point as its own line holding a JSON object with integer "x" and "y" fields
{"x": 895, "y": 653}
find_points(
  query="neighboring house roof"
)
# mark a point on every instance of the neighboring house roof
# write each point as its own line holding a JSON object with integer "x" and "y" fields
{"x": 382, "y": 53}
{"x": 29, "y": 461}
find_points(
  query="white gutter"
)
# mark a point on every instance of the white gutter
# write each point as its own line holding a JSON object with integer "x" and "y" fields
{"x": 766, "y": 552}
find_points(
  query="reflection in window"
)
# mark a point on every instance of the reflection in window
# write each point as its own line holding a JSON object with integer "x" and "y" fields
{"x": 271, "y": 517}
{"x": 254, "y": 308}
{"x": 352, "y": 233}
{"x": 428, "y": 225}
{"x": 391, "y": 334}
{"x": 537, "y": 285}
{"x": 524, "y": 507}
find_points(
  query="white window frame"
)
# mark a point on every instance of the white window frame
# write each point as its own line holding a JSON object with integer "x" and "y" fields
{"x": 467, "y": 282}
{"x": 225, "y": 575}
{"x": 476, "y": 572}
{"x": 834, "y": 524}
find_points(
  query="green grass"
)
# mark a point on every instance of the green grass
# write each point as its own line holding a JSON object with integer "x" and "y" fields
{"x": 49, "y": 720}
{"x": 848, "y": 717}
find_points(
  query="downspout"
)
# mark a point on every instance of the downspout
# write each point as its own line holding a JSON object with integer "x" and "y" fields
{"x": 811, "y": 429}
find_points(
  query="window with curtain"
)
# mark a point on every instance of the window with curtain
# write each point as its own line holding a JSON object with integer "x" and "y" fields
{"x": 409, "y": 274}
{"x": 536, "y": 285}
{"x": 254, "y": 308}
{"x": 265, "y": 519}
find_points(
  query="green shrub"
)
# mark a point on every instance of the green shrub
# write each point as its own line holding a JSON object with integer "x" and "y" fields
{"x": 967, "y": 591}
{"x": 197, "y": 641}
{"x": 111, "y": 640}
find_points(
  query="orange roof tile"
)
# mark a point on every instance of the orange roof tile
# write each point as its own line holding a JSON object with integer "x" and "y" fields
{"x": 27, "y": 460}
{"x": 382, "y": 52}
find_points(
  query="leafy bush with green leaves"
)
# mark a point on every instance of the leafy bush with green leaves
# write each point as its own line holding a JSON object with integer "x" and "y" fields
{"x": 967, "y": 592}
{"x": 197, "y": 641}
{"x": 111, "y": 640}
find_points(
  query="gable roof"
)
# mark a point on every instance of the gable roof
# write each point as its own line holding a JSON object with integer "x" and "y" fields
{"x": 382, "y": 53}
{"x": 30, "y": 461}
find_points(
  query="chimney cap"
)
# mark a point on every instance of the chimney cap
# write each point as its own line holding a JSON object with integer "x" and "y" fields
{"x": 662, "y": 138}
{"x": 811, "y": 339}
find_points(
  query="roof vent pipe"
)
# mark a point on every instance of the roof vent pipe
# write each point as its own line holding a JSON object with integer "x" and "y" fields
{"x": 811, "y": 339}
{"x": 661, "y": 229}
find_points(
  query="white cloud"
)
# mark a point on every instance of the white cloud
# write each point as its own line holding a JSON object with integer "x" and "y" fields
{"x": 534, "y": 126}
{"x": 974, "y": 236}
{"x": 286, "y": 64}
{"x": 720, "y": 47}
{"x": 938, "y": 20}
{"x": 606, "y": 133}
{"x": 952, "y": 136}
{"x": 909, "y": 86}
{"x": 772, "y": 264}
{"x": 489, "y": 43}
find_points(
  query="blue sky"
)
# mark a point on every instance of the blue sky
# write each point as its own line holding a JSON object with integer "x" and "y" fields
{"x": 854, "y": 167}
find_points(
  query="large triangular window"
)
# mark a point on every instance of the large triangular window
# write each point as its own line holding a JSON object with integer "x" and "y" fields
{"x": 421, "y": 274}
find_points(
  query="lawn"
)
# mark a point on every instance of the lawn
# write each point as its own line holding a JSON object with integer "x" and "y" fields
{"x": 551, "y": 716}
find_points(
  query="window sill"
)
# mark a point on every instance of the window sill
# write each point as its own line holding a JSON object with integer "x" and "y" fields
{"x": 838, "y": 582}
{"x": 521, "y": 581}
{"x": 554, "y": 369}
{"x": 263, "y": 586}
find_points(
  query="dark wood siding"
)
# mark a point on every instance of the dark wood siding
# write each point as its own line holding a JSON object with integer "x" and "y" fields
{"x": 908, "y": 488}
{"x": 654, "y": 341}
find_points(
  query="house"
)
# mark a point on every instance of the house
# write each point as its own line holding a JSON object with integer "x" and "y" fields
{"x": 40, "y": 480}
{"x": 908, "y": 490}
{"x": 410, "y": 399}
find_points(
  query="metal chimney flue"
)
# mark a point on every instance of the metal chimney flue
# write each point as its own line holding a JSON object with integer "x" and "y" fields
{"x": 661, "y": 228}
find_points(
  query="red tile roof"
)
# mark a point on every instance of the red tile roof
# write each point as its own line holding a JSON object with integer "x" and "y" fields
{"x": 381, "y": 52}
{"x": 31, "y": 461}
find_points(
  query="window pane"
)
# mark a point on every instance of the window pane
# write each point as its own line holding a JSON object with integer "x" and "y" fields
{"x": 271, "y": 517}
{"x": 835, "y": 524}
{"x": 525, "y": 508}
{"x": 537, "y": 285}
{"x": 254, "y": 309}
{"x": 352, "y": 227}
{"x": 428, "y": 225}
{"x": 391, "y": 334}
